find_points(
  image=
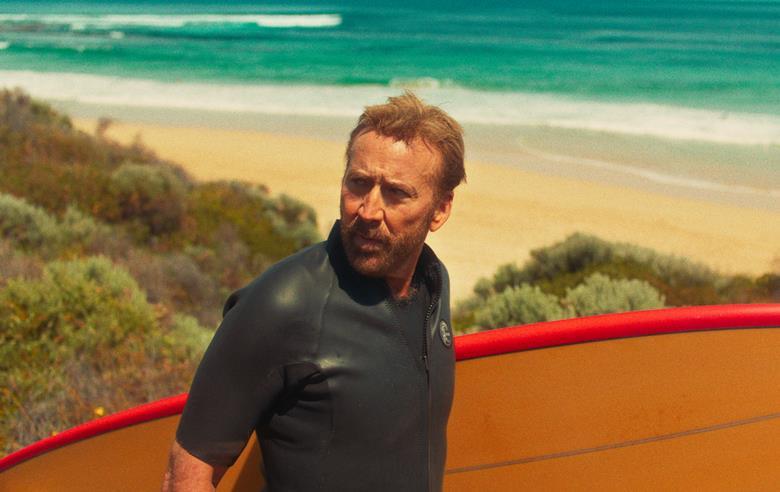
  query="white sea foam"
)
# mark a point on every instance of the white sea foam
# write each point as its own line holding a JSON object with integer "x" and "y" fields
{"x": 465, "y": 105}
{"x": 655, "y": 120}
{"x": 4, "y": 45}
{"x": 80, "y": 22}
{"x": 421, "y": 83}
{"x": 468, "y": 106}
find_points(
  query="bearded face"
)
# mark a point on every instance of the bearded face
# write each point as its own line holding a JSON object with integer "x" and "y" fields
{"x": 389, "y": 203}
{"x": 375, "y": 252}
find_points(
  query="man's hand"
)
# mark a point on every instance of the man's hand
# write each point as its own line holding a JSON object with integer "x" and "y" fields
{"x": 187, "y": 473}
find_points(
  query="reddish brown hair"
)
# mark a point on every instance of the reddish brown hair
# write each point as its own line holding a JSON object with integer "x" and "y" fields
{"x": 407, "y": 118}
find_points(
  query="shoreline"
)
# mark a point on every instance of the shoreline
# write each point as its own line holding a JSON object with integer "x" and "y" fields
{"x": 499, "y": 216}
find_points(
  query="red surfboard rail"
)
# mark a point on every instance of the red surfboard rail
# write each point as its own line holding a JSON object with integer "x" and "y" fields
{"x": 493, "y": 342}
{"x": 611, "y": 326}
{"x": 165, "y": 407}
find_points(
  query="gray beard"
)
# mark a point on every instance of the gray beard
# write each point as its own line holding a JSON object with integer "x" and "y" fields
{"x": 394, "y": 251}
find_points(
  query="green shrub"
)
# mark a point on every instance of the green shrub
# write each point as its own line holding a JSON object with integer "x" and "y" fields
{"x": 293, "y": 219}
{"x": 519, "y": 305}
{"x": 32, "y": 133}
{"x": 463, "y": 314}
{"x": 562, "y": 266}
{"x": 80, "y": 233}
{"x": 768, "y": 286}
{"x": 676, "y": 269}
{"x": 573, "y": 254}
{"x": 187, "y": 335}
{"x": 271, "y": 229}
{"x": 176, "y": 280}
{"x": 509, "y": 275}
{"x": 79, "y": 310}
{"x": 230, "y": 263}
{"x": 151, "y": 198}
{"x": 18, "y": 111}
{"x": 54, "y": 186}
{"x": 676, "y": 289}
{"x": 27, "y": 226}
{"x": 44, "y": 159}
{"x": 600, "y": 294}
{"x": 17, "y": 264}
{"x": 31, "y": 229}
{"x": 88, "y": 302}
{"x": 81, "y": 337}
{"x": 79, "y": 334}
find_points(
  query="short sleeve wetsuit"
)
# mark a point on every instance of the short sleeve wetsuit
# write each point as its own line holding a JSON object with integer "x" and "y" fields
{"x": 313, "y": 356}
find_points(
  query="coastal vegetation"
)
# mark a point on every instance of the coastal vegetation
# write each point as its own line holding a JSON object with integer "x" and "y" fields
{"x": 114, "y": 265}
{"x": 585, "y": 275}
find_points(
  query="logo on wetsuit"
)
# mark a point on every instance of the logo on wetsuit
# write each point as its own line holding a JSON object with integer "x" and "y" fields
{"x": 445, "y": 333}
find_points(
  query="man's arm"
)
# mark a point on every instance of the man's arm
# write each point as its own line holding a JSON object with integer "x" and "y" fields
{"x": 187, "y": 473}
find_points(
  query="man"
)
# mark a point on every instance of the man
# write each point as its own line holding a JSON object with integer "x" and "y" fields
{"x": 340, "y": 356}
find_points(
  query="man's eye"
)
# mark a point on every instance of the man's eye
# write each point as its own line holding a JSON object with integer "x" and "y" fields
{"x": 360, "y": 182}
{"x": 399, "y": 192}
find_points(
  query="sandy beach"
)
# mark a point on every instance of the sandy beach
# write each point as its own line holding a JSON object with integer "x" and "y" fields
{"x": 499, "y": 215}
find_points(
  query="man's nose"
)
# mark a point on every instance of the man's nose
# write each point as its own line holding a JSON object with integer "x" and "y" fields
{"x": 372, "y": 207}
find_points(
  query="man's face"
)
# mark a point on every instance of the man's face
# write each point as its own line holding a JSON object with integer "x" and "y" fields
{"x": 388, "y": 204}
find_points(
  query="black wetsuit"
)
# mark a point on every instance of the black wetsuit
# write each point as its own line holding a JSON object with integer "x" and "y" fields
{"x": 312, "y": 356}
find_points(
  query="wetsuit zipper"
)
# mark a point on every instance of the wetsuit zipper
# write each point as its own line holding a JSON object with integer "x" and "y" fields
{"x": 434, "y": 301}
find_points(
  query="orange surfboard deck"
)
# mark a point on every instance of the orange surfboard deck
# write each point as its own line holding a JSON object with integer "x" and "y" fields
{"x": 668, "y": 399}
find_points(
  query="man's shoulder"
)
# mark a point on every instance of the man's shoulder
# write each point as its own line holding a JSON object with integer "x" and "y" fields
{"x": 290, "y": 284}
{"x": 309, "y": 261}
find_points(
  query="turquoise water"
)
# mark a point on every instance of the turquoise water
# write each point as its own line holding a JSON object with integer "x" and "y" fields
{"x": 712, "y": 54}
{"x": 704, "y": 71}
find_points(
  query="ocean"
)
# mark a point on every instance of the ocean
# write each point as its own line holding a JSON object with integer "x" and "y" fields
{"x": 590, "y": 84}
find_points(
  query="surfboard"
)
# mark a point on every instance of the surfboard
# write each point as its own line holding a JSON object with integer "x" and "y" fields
{"x": 683, "y": 398}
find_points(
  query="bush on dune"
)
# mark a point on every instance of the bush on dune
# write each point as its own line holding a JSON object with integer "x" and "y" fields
{"x": 26, "y": 226}
{"x": 44, "y": 159}
{"x": 294, "y": 219}
{"x": 769, "y": 287}
{"x": 68, "y": 194}
{"x": 176, "y": 280}
{"x": 81, "y": 337}
{"x": 50, "y": 164}
{"x": 81, "y": 234}
{"x": 270, "y": 228}
{"x": 599, "y": 294}
{"x": 519, "y": 305}
{"x": 32, "y": 230}
{"x": 594, "y": 276}
{"x": 150, "y": 200}
{"x": 33, "y": 133}
{"x": 78, "y": 331}
{"x": 566, "y": 264}
{"x": 17, "y": 264}
{"x": 574, "y": 254}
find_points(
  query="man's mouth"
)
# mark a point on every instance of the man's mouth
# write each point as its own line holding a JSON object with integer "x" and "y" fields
{"x": 368, "y": 241}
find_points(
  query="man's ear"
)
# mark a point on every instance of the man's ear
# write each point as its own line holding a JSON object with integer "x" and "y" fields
{"x": 442, "y": 212}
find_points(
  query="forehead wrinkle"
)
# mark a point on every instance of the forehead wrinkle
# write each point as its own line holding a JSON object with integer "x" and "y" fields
{"x": 383, "y": 179}
{"x": 381, "y": 163}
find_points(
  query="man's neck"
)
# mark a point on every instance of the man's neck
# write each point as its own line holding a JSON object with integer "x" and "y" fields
{"x": 400, "y": 281}
{"x": 399, "y": 288}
